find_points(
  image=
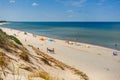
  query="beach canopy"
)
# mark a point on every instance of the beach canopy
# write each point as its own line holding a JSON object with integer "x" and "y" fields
{"x": 50, "y": 40}
{"x": 42, "y": 38}
{"x": 115, "y": 53}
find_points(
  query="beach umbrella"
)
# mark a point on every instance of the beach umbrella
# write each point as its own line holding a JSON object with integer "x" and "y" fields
{"x": 42, "y": 38}
{"x": 50, "y": 40}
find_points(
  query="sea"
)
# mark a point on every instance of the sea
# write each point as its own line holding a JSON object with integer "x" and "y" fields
{"x": 106, "y": 34}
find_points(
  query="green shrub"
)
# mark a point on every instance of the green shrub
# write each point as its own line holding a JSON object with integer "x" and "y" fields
{"x": 3, "y": 37}
{"x": 15, "y": 39}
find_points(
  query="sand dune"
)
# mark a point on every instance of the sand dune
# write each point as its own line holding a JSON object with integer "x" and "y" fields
{"x": 97, "y": 62}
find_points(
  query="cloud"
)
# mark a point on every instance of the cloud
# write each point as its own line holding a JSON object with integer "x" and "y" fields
{"x": 76, "y": 3}
{"x": 101, "y": 2}
{"x": 70, "y": 11}
{"x": 11, "y": 1}
{"x": 35, "y": 4}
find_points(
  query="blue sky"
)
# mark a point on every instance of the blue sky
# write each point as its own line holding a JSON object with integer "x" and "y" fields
{"x": 60, "y": 10}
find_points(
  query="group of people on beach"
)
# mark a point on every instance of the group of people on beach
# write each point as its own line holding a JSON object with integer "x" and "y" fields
{"x": 114, "y": 53}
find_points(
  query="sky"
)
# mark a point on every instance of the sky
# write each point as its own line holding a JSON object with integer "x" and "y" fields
{"x": 60, "y": 10}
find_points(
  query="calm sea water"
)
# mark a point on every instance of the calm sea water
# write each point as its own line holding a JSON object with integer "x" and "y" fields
{"x": 105, "y": 34}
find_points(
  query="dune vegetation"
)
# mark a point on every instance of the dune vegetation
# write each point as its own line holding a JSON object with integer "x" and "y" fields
{"x": 17, "y": 61}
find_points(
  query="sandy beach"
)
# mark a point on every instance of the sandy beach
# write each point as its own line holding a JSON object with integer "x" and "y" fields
{"x": 97, "y": 62}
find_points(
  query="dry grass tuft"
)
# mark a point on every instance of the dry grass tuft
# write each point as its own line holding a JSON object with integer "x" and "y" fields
{"x": 60, "y": 66}
{"x": 45, "y": 61}
{"x": 2, "y": 62}
{"x": 23, "y": 55}
{"x": 2, "y": 59}
{"x": 82, "y": 74}
{"x": 41, "y": 74}
{"x": 11, "y": 44}
{"x": 30, "y": 45}
{"x": 26, "y": 67}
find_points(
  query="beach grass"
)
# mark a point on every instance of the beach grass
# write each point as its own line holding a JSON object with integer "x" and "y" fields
{"x": 20, "y": 52}
{"x": 2, "y": 62}
{"x": 41, "y": 74}
{"x": 45, "y": 61}
{"x": 15, "y": 39}
{"x": 23, "y": 55}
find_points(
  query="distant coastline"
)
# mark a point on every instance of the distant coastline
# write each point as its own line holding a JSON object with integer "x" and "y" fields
{"x": 3, "y": 21}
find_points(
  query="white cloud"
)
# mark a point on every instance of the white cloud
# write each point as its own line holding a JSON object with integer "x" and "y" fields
{"x": 70, "y": 11}
{"x": 101, "y": 2}
{"x": 76, "y": 3}
{"x": 11, "y": 1}
{"x": 35, "y": 4}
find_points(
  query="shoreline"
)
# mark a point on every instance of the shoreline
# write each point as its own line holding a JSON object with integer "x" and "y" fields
{"x": 73, "y": 41}
{"x": 94, "y": 60}
{"x": 83, "y": 43}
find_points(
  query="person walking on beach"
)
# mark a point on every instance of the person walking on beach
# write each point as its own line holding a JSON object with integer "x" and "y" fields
{"x": 116, "y": 46}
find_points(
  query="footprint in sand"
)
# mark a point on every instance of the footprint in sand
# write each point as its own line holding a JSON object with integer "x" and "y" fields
{"x": 107, "y": 69}
{"x": 99, "y": 54}
{"x": 118, "y": 61}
